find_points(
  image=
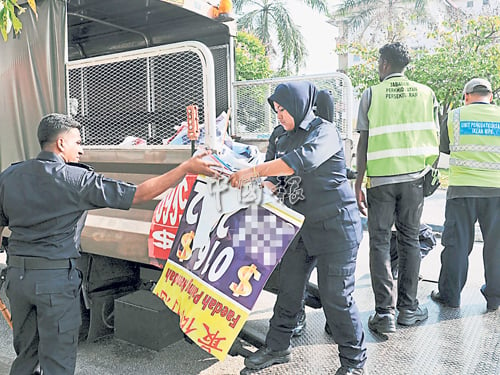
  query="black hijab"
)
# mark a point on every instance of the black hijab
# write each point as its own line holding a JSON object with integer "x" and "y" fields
{"x": 297, "y": 98}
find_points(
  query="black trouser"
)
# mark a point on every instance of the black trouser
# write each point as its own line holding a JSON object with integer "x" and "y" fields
{"x": 458, "y": 240}
{"x": 336, "y": 284}
{"x": 45, "y": 308}
{"x": 400, "y": 204}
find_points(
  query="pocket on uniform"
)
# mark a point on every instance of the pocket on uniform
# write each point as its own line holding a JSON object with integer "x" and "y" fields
{"x": 418, "y": 184}
{"x": 342, "y": 269}
{"x": 333, "y": 222}
{"x": 348, "y": 224}
{"x": 50, "y": 287}
{"x": 60, "y": 291}
{"x": 69, "y": 323}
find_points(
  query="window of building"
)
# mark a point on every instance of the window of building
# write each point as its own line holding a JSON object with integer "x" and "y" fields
{"x": 486, "y": 2}
{"x": 470, "y": 4}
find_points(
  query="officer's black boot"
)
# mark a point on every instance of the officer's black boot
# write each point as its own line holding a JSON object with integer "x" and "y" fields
{"x": 265, "y": 357}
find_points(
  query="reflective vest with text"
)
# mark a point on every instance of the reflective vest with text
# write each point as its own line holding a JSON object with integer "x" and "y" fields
{"x": 403, "y": 135}
{"x": 474, "y": 132}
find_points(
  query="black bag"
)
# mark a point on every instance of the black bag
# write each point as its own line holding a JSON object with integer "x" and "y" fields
{"x": 431, "y": 182}
{"x": 427, "y": 242}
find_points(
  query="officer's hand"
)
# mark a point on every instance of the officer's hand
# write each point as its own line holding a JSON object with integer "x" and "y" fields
{"x": 243, "y": 176}
{"x": 361, "y": 199}
{"x": 197, "y": 165}
{"x": 269, "y": 185}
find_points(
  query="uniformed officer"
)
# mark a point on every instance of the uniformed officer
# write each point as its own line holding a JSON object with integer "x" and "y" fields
{"x": 471, "y": 136}
{"x": 43, "y": 202}
{"x": 272, "y": 285}
{"x": 311, "y": 154}
{"x": 398, "y": 142}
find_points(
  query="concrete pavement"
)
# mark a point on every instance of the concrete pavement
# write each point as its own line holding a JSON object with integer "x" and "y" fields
{"x": 452, "y": 341}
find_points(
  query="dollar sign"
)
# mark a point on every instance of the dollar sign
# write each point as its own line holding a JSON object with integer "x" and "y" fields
{"x": 163, "y": 239}
{"x": 185, "y": 252}
{"x": 244, "y": 288}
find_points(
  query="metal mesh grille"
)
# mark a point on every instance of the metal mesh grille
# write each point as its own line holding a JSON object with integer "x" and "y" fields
{"x": 256, "y": 120}
{"x": 221, "y": 58}
{"x": 143, "y": 96}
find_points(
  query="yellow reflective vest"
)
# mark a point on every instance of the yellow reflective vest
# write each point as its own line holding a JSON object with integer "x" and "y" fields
{"x": 474, "y": 132}
{"x": 403, "y": 135}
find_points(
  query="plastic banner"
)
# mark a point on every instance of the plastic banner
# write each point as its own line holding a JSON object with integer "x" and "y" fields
{"x": 166, "y": 218}
{"x": 227, "y": 245}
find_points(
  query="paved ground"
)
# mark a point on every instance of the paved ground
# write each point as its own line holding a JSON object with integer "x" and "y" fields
{"x": 451, "y": 341}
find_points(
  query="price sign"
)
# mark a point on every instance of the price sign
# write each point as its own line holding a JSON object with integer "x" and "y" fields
{"x": 223, "y": 253}
{"x": 166, "y": 219}
{"x": 193, "y": 126}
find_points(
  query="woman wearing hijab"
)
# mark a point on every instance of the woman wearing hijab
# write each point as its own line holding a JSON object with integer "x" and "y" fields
{"x": 309, "y": 157}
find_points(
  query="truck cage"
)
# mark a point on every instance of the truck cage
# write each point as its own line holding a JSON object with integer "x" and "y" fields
{"x": 144, "y": 93}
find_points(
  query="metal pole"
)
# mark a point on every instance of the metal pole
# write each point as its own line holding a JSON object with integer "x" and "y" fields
{"x": 5, "y": 311}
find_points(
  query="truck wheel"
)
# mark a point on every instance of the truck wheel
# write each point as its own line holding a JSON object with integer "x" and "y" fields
{"x": 108, "y": 314}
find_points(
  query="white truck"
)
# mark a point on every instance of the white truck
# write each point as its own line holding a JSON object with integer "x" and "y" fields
{"x": 127, "y": 70}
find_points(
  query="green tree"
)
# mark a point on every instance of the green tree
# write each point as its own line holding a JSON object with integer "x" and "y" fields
{"x": 364, "y": 74}
{"x": 9, "y": 20}
{"x": 251, "y": 63}
{"x": 387, "y": 19}
{"x": 264, "y": 18}
{"x": 463, "y": 50}
{"x": 251, "y": 59}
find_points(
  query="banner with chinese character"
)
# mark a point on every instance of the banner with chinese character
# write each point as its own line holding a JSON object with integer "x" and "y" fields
{"x": 227, "y": 245}
{"x": 166, "y": 218}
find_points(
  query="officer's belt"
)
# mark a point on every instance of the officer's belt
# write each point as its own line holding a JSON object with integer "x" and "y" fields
{"x": 36, "y": 263}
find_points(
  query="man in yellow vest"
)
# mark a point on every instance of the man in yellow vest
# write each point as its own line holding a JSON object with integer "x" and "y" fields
{"x": 472, "y": 138}
{"x": 398, "y": 142}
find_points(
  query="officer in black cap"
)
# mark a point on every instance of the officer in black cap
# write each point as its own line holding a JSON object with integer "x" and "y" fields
{"x": 43, "y": 201}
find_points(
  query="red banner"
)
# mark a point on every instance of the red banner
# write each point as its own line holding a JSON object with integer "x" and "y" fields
{"x": 166, "y": 219}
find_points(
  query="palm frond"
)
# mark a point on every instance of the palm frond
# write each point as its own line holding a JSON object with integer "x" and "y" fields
{"x": 290, "y": 39}
{"x": 319, "y": 5}
{"x": 352, "y": 6}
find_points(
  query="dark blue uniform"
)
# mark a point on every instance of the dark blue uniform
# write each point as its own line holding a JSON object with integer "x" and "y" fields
{"x": 466, "y": 205}
{"x": 329, "y": 238}
{"x": 43, "y": 201}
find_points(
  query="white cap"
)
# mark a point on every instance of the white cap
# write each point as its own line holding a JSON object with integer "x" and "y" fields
{"x": 477, "y": 85}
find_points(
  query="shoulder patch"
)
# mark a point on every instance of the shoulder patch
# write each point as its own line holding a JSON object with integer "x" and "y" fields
{"x": 81, "y": 165}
